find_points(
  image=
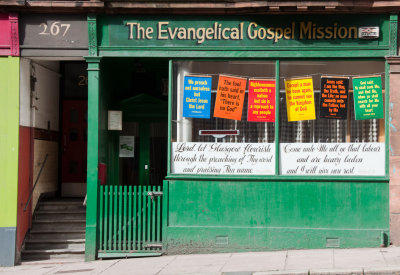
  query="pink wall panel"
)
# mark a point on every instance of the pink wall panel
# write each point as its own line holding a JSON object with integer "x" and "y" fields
{"x": 9, "y": 37}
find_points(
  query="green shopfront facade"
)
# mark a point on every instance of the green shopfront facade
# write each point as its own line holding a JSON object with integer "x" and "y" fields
{"x": 158, "y": 183}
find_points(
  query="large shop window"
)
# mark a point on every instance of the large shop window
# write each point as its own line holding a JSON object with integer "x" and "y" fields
{"x": 331, "y": 118}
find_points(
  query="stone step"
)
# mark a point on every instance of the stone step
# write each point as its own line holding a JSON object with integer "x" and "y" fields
{"x": 60, "y": 215}
{"x": 60, "y": 206}
{"x": 51, "y": 225}
{"x": 57, "y": 234}
{"x": 45, "y": 254}
{"x": 74, "y": 244}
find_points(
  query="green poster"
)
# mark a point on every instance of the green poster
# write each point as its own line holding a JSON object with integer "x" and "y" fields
{"x": 368, "y": 103}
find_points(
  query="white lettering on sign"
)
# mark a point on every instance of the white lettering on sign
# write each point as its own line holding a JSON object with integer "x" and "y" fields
{"x": 359, "y": 159}
{"x": 223, "y": 158}
{"x": 55, "y": 29}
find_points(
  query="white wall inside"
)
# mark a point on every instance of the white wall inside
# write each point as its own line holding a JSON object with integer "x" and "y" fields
{"x": 46, "y": 94}
{"x": 25, "y": 93}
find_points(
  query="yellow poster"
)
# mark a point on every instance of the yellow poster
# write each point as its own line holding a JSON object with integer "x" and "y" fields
{"x": 300, "y": 99}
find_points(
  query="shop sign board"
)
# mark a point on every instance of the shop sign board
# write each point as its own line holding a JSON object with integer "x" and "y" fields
{"x": 230, "y": 97}
{"x": 197, "y": 96}
{"x": 223, "y": 158}
{"x": 368, "y": 32}
{"x": 330, "y": 159}
{"x": 54, "y": 34}
{"x": 334, "y": 97}
{"x": 300, "y": 99}
{"x": 231, "y": 32}
{"x": 368, "y": 102}
{"x": 261, "y": 103}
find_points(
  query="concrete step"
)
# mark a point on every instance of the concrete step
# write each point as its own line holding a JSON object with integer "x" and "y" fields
{"x": 57, "y": 234}
{"x": 73, "y": 244}
{"x": 60, "y": 214}
{"x": 61, "y": 206}
{"x": 45, "y": 254}
{"x": 50, "y": 225}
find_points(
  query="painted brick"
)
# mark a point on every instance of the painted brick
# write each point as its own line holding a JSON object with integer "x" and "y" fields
{"x": 395, "y": 229}
{"x": 394, "y": 198}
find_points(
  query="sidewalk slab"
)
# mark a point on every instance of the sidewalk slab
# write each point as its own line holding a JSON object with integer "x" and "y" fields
{"x": 190, "y": 264}
{"x": 337, "y": 271}
{"x": 255, "y": 261}
{"x": 309, "y": 259}
{"x": 365, "y": 257}
{"x": 95, "y": 267}
{"x": 140, "y": 266}
{"x": 383, "y": 271}
{"x": 283, "y": 272}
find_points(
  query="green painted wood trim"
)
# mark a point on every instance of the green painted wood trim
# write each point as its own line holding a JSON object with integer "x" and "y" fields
{"x": 92, "y": 34}
{"x": 383, "y": 179}
{"x": 393, "y": 34}
{"x": 277, "y": 90}
{"x": 386, "y": 117}
{"x": 92, "y": 207}
{"x": 316, "y": 53}
{"x": 170, "y": 96}
{"x": 9, "y": 139}
{"x": 165, "y": 216}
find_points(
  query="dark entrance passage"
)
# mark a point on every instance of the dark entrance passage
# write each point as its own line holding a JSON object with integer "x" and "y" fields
{"x": 135, "y": 157}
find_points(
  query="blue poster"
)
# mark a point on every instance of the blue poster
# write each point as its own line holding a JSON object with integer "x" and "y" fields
{"x": 197, "y": 96}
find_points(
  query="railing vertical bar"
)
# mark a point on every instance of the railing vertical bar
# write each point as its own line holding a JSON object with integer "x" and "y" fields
{"x": 153, "y": 223}
{"x": 110, "y": 218}
{"x": 101, "y": 220}
{"x": 158, "y": 216}
{"x": 106, "y": 217}
{"x": 152, "y": 215}
{"x": 130, "y": 218}
{"x": 115, "y": 217}
{"x": 139, "y": 224}
{"x": 125, "y": 217}
{"x": 144, "y": 195}
{"x": 135, "y": 218}
{"x": 120, "y": 216}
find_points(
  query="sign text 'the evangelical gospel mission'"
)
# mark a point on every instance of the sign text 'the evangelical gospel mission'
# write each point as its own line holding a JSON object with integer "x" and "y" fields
{"x": 217, "y": 31}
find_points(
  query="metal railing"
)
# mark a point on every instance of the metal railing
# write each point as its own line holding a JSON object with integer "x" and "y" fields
{"x": 36, "y": 181}
{"x": 130, "y": 219}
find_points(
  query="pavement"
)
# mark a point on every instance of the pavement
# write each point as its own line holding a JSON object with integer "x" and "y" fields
{"x": 371, "y": 261}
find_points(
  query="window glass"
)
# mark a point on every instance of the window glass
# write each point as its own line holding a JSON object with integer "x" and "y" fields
{"x": 197, "y": 147}
{"x": 332, "y": 146}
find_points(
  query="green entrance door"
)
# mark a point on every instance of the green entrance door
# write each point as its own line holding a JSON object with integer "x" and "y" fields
{"x": 131, "y": 204}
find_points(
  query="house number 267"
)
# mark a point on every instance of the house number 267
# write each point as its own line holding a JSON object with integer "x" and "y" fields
{"x": 54, "y": 29}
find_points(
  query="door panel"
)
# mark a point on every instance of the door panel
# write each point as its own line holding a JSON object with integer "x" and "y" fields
{"x": 74, "y": 148}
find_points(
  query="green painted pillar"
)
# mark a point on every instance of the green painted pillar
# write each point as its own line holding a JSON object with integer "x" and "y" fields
{"x": 92, "y": 205}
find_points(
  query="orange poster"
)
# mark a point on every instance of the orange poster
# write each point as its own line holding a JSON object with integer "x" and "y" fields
{"x": 230, "y": 97}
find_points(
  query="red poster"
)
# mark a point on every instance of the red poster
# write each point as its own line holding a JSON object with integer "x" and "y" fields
{"x": 261, "y": 103}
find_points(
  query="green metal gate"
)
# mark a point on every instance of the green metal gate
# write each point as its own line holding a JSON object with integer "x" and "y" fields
{"x": 130, "y": 221}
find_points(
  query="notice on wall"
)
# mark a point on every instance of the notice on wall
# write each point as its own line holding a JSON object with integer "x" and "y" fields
{"x": 230, "y": 97}
{"x": 334, "y": 97}
{"x": 223, "y": 158}
{"x": 332, "y": 159}
{"x": 368, "y": 102}
{"x": 261, "y": 103}
{"x": 197, "y": 96}
{"x": 115, "y": 120}
{"x": 300, "y": 99}
{"x": 127, "y": 146}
